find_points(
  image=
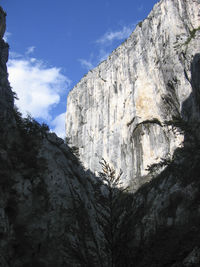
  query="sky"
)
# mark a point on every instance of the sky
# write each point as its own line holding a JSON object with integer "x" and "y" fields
{"x": 53, "y": 44}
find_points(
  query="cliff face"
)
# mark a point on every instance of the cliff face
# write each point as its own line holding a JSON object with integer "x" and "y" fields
{"x": 119, "y": 110}
{"x": 6, "y": 95}
{"x": 135, "y": 108}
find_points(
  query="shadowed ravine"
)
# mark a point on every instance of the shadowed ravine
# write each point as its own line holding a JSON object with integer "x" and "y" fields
{"x": 55, "y": 212}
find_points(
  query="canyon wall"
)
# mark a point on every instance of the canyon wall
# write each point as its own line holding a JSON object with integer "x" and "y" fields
{"x": 41, "y": 182}
{"x": 120, "y": 109}
{"x": 6, "y": 95}
{"x": 139, "y": 107}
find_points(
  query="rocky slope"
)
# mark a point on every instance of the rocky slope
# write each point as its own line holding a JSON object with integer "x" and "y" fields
{"x": 55, "y": 213}
{"x": 119, "y": 110}
{"x": 41, "y": 183}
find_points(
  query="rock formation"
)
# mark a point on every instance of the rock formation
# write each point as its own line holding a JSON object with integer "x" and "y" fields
{"x": 6, "y": 95}
{"x": 120, "y": 109}
{"x": 138, "y": 108}
{"x": 41, "y": 182}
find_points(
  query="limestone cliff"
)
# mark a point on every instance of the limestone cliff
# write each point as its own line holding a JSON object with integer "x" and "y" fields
{"x": 55, "y": 213}
{"x": 120, "y": 109}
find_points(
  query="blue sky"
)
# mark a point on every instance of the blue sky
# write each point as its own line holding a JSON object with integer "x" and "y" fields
{"x": 54, "y": 43}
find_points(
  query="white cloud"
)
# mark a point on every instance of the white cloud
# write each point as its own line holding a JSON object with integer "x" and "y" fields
{"x": 38, "y": 86}
{"x": 86, "y": 64}
{"x": 59, "y": 125}
{"x": 6, "y": 36}
{"x": 110, "y": 36}
{"x": 14, "y": 55}
{"x": 30, "y": 50}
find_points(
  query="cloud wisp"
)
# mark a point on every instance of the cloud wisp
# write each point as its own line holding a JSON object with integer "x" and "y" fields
{"x": 86, "y": 64}
{"x": 140, "y": 8}
{"x": 105, "y": 44}
{"x": 111, "y": 36}
{"x": 30, "y": 50}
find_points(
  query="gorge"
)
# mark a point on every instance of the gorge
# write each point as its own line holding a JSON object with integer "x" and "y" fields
{"x": 139, "y": 110}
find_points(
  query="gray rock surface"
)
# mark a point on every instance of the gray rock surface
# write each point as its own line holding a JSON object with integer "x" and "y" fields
{"x": 193, "y": 258}
{"x": 55, "y": 213}
{"x": 119, "y": 109}
{"x": 6, "y": 95}
{"x": 3, "y": 22}
{"x": 40, "y": 182}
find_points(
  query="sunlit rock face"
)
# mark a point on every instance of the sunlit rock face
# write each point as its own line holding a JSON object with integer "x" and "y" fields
{"x": 119, "y": 109}
{"x": 50, "y": 206}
